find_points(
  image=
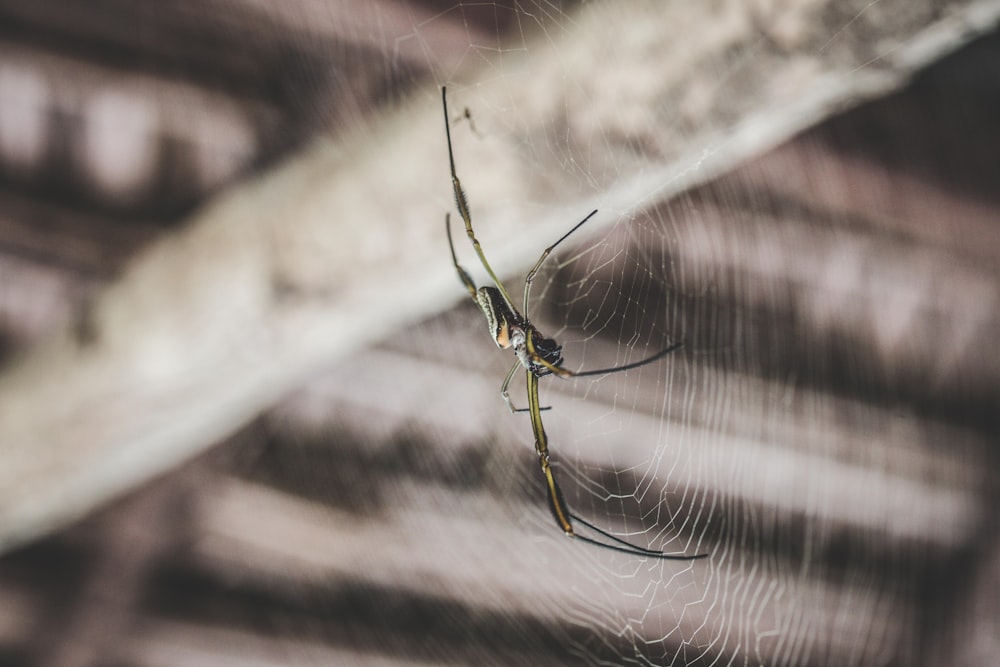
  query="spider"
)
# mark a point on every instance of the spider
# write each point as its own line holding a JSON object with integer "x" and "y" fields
{"x": 539, "y": 356}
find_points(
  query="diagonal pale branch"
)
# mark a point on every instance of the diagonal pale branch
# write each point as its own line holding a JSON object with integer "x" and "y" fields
{"x": 344, "y": 244}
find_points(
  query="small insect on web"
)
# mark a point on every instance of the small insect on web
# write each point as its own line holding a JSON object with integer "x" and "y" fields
{"x": 539, "y": 356}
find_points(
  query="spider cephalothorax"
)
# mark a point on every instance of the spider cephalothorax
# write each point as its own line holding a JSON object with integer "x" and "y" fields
{"x": 546, "y": 349}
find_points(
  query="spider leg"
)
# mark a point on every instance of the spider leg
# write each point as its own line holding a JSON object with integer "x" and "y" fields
{"x": 557, "y": 504}
{"x": 506, "y": 384}
{"x": 566, "y": 373}
{"x": 635, "y": 364}
{"x": 506, "y": 395}
{"x": 463, "y": 204}
{"x": 463, "y": 275}
{"x": 545, "y": 254}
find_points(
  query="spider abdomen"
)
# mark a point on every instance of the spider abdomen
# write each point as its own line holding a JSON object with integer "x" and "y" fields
{"x": 500, "y": 317}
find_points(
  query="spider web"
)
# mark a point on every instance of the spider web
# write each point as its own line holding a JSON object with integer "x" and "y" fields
{"x": 773, "y": 441}
{"x": 826, "y": 434}
{"x": 766, "y": 441}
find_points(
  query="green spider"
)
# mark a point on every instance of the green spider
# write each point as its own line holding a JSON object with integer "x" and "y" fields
{"x": 539, "y": 356}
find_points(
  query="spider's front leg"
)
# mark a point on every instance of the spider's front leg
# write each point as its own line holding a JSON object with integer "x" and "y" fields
{"x": 463, "y": 275}
{"x": 462, "y": 203}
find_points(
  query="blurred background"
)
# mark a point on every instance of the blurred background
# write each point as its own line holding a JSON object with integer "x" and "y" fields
{"x": 805, "y": 194}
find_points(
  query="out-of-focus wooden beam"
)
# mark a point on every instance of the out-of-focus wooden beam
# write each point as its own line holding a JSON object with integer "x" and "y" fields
{"x": 344, "y": 244}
